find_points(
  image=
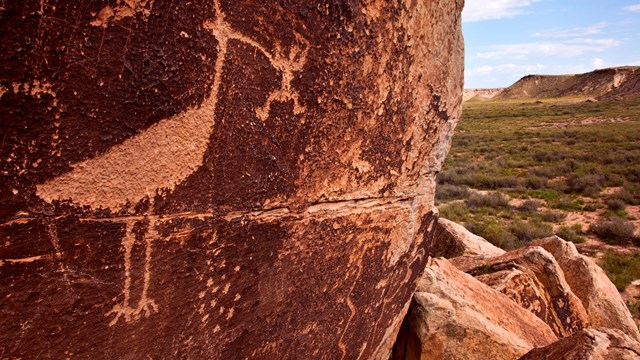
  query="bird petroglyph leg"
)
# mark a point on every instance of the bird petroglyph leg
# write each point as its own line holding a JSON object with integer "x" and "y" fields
{"x": 146, "y": 306}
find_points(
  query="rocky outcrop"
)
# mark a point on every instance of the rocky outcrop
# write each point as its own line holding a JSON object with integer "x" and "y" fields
{"x": 219, "y": 179}
{"x": 533, "y": 279}
{"x": 454, "y": 316}
{"x": 627, "y": 84}
{"x": 603, "y": 83}
{"x": 601, "y": 344}
{"x": 589, "y": 282}
{"x": 501, "y": 306}
{"x": 451, "y": 240}
{"x": 480, "y": 94}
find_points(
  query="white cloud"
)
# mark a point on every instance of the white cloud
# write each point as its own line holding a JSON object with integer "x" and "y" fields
{"x": 480, "y": 10}
{"x": 598, "y": 63}
{"x": 505, "y": 69}
{"x": 481, "y": 70}
{"x": 633, "y": 8}
{"x": 573, "y": 32}
{"x": 565, "y": 49}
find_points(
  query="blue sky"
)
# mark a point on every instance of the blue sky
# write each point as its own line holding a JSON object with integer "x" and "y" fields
{"x": 508, "y": 39}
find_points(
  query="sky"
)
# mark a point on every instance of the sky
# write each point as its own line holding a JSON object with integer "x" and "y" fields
{"x": 508, "y": 39}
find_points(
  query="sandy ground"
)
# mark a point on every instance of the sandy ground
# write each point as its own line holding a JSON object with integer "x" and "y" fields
{"x": 579, "y": 122}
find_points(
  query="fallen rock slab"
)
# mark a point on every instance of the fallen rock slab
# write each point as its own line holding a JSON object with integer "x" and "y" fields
{"x": 589, "y": 344}
{"x": 451, "y": 240}
{"x": 533, "y": 279}
{"x": 590, "y": 283}
{"x": 454, "y": 316}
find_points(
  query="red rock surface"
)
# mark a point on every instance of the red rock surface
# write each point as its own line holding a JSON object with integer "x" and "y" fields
{"x": 602, "y": 343}
{"x": 532, "y": 278}
{"x": 454, "y": 316}
{"x": 452, "y": 240}
{"x": 219, "y": 179}
{"x": 590, "y": 283}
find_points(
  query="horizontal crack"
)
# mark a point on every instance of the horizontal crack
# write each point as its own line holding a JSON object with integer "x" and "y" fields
{"x": 334, "y": 208}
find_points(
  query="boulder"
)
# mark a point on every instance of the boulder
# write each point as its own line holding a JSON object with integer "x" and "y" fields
{"x": 219, "y": 179}
{"x": 454, "y": 316}
{"x": 451, "y": 240}
{"x": 596, "y": 344}
{"x": 533, "y": 279}
{"x": 590, "y": 283}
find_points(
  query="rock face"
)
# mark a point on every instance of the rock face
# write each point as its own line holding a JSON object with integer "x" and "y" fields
{"x": 601, "y": 344}
{"x": 589, "y": 282}
{"x": 533, "y": 279}
{"x": 220, "y": 179}
{"x": 602, "y": 83}
{"x": 454, "y": 316}
{"x": 451, "y": 240}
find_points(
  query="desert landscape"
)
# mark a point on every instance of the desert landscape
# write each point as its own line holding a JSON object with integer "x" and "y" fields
{"x": 553, "y": 155}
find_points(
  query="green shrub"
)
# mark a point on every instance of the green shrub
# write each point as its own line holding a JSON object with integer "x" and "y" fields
{"x": 491, "y": 200}
{"x": 535, "y": 182}
{"x": 544, "y": 172}
{"x": 567, "y": 204}
{"x": 622, "y": 269}
{"x": 530, "y": 230}
{"x": 553, "y": 216}
{"x": 634, "y": 308}
{"x": 547, "y": 195}
{"x": 529, "y": 206}
{"x": 590, "y": 207}
{"x": 586, "y": 184}
{"x": 447, "y": 192}
{"x": 457, "y": 212}
{"x": 571, "y": 233}
{"x": 615, "y": 204}
{"x": 608, "y": 214}
{"x": 614, "y": 231}
{"x": 626, "y": 195}
{"x": 495, "y": 234}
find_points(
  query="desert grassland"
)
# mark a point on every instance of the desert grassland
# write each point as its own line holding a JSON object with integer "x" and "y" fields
{"x": 525, "y": 169}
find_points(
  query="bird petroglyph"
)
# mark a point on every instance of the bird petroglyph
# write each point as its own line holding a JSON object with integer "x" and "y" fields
{"x": 169, "y": 151}
{"x": 165, "y": 154}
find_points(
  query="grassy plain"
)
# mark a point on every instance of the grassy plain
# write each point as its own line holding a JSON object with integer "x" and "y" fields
{"x": 525, "y": 169}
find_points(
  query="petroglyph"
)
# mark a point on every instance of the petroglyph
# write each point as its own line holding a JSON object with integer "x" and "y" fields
{"x": 287, "y": 65}
{"x": 146, "y": 306}
{"x": 172, "y": 149}
{"x": 52, "y": 230}
{"x": 165, "y": 154}
{"x": 36, "y": 89}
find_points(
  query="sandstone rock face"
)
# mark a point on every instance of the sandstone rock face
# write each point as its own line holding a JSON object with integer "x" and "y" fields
{"x": 454, "y": 316}
{"x": 451, "y": 240}
{"x": 219, "y": 179}
{"x": 589, "y": 282}
{"x": 533, "y": 279}
{"x": 600, "y": 344}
